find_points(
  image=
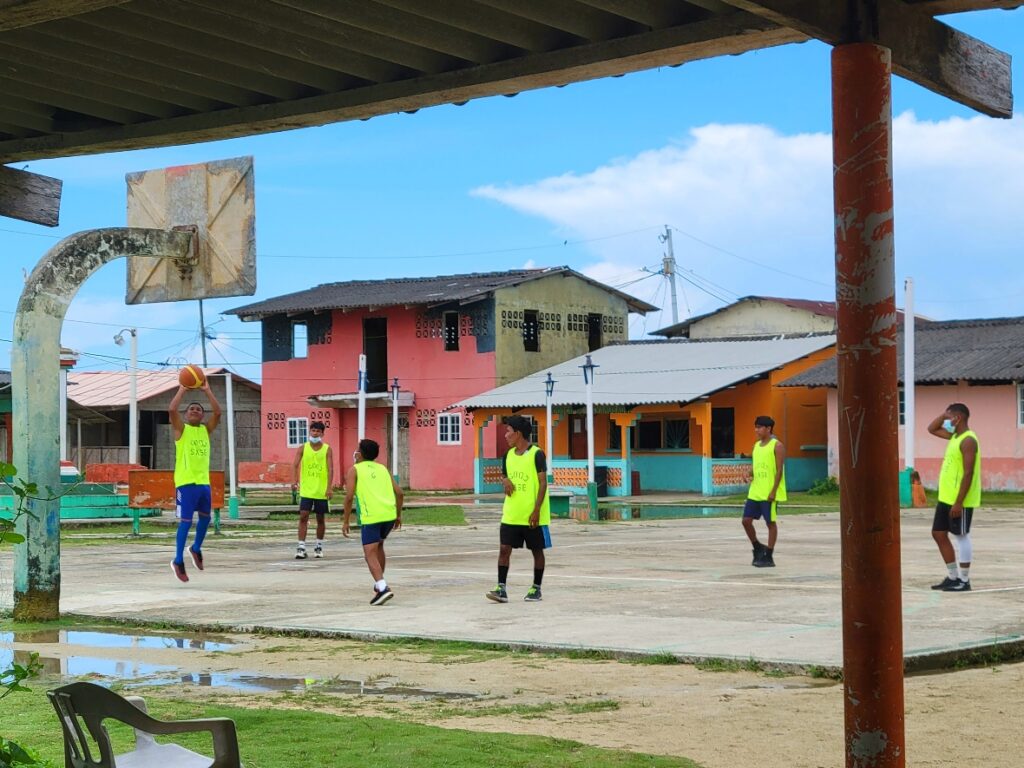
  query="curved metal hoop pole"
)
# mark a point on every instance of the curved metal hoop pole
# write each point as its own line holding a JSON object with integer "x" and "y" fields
{"x": 35, "y": 374}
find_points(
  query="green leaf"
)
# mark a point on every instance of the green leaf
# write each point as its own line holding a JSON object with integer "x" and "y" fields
{"x": 10, "y": 537}
{"x": 7, "y": 470}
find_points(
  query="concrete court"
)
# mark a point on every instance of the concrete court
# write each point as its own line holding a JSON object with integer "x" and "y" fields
{"x": 681, "y": 586}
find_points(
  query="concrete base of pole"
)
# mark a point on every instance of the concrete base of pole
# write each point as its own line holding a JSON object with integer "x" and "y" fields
{"x": 592, "y": 500}
{"x": 233, "y": 507}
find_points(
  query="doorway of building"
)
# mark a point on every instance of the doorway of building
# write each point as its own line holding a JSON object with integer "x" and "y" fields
{"x": 723, "y": 433}
{"x": 578, "y": 437}
{"x": 375, "y": 347}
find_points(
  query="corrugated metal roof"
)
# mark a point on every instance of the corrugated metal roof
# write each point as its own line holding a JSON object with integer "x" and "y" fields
{"x": 5, "y": 379}
{"x": 110, "y": 389}
{"x": 951, "y": 350}
{"x": 642, "y": 372}
{"x": 411, "y": 291}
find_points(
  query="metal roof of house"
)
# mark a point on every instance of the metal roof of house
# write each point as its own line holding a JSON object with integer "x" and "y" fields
{"x": 649, "y": 372}
{"x": 103, "y": 75}
{"x": 823, "y": 308}
{"x": 110, "y": 389}
{"x": 5, "y": 379}
{"x": 949, "y": 350}
{"x": 411, "y": 291}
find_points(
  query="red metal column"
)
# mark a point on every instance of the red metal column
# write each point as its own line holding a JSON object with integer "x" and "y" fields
{"x": 868, "y": 406}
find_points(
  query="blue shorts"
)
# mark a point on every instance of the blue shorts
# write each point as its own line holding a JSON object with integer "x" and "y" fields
{"x": 191, "y": 499}
{"x": 375, "y": 532}
{"x": 761, "y": 509}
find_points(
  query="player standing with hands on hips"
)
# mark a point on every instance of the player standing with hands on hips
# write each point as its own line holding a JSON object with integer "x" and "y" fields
{"x": 314, "y": 479}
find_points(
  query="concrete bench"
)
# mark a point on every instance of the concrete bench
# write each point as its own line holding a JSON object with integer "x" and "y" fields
{"x": 154, "y": 489}
{"x": 257, "y": 478}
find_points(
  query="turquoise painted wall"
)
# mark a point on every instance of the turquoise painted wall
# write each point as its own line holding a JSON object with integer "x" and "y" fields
{"x": 670, "y": 471}
{"x": 801, "y": 474}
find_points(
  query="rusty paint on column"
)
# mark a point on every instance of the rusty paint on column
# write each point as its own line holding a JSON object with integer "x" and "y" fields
{"x": 868, "y": 406}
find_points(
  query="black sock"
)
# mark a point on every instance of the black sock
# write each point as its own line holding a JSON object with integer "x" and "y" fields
{"x": 538, "y": 576}
{"x": 502, "y": 574}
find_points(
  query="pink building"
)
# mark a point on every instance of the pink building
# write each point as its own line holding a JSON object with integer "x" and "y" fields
{"x": 979, "y": 363}
{"x": 442, "y": 338}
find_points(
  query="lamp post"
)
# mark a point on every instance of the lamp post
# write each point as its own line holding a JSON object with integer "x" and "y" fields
{"x": 394, "y": 429}
{"x": 549, "y": 390}
{"x": 588, "y": 381}
{"x": 133, "y": 391}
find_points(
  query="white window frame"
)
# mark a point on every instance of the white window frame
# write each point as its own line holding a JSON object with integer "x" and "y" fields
{"x": 1020, "y": 404}
{"x": 300, "y": 340}
{"x": 449, "y": 424}
{"x": 901, "y": 406}
{"x": 301, "y": 430}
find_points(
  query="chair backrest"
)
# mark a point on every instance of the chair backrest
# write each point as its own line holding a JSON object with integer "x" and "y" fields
{"x": 89, "y": 703}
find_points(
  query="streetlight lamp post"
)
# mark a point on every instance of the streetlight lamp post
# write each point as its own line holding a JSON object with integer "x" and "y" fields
{"x": 133, "y": 391}
{"x": 549, "y": 390}
{"x": 588, "y": 381}
{"x": 394, "y": 429}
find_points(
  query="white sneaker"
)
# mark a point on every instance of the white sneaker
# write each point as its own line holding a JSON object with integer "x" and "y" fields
{"x": 300, "y": 553}
{"x": 318, "y": 552}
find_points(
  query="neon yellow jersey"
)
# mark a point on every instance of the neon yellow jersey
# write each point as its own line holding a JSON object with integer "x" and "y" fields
{"x": 952, "y": 473}
{"x": 522, "y": 471}
{"x": 192, "y": 456}
{"x": 764, "y": 473}
{"x": 375, "y": 493}
{"x": 313, "y": 472}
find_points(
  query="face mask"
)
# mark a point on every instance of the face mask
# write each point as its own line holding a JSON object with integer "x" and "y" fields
{"x": 948, "y": 425}
{"x": 316, "y": 440}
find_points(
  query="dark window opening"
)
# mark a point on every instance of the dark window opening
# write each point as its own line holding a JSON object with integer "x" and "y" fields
{"x": 451, "y": 331}
{"x": 375, "y": 347}
{"x": 677, "y": 434}
{"x": 723, "y": 433}
{"x": 615, "y": 436}
{"x": 594, "y": 339}
{"x": 531, "y": 331}
{"x": 648, "y": 435}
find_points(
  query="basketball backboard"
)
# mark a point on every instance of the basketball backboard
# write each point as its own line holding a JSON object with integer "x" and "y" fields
{"x": 216, "y": 202}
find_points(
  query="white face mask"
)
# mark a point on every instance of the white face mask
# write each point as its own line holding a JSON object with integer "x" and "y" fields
{"x": 948, "y": 425}
{"x": 316, "y": 440}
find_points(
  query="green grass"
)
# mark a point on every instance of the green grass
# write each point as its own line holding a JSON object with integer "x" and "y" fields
{"x": 290, "y": 738}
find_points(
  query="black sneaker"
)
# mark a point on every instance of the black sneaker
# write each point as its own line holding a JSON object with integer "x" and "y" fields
{"x": 197, "y": 558}
{"x": 300, "y": 553}
{"x": 179, "y": 571}
{"x": 498, "y": 594}
{"x": 533, "y": 595}
{"x": 958, "y": 585}
{"x": 945, "y": 584}
{"x": 767, "y": 559}
{"x": 379, "y": 598}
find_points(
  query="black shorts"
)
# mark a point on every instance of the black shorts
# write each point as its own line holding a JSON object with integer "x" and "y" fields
{"x": 319, "y": 506}
{"x": 958, "y": 526}
{"x": 516, "y": 536}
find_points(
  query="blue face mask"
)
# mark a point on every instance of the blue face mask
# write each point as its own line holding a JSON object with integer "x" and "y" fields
{"x": 315, "y": 440}
{"x": 948, "y": 425}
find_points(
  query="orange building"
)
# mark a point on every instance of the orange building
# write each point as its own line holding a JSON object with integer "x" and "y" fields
{"x": 673, "y": 415}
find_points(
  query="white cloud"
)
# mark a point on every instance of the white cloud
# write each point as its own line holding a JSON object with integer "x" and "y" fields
{"x": 750, "y": 191}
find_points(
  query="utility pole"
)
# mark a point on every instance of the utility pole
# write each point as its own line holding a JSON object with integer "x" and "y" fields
{"x": 668, "y": 269}
{"x": 202, "y": 331}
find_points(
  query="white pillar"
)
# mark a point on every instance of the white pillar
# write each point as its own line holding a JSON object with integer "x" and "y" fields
{"x": 229, "y": 401}
{"x": 361, "y": 430}
{"x": 909, "y": 444}
{"x": 133, "y": 400}
{"x": 62, "y": 414}
{"x": 394, "y": 430}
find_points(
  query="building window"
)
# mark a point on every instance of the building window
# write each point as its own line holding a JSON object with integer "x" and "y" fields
{"x": 451, "y": 331}
{"x": 677, "y": 433}
{"x": 1020, "y": 405}
{"x": 903, "y": 405}
{"x": 662, "y": 434}
{"x": 449, "y": 428}
{"x": 531, "y": 331}
{"x": 594, "y": 338}
{"x": 614, "y": 436}
{"x": 648, "y": 435}
{"x": 297, "y": 432}
{"x": 300, "y": 340}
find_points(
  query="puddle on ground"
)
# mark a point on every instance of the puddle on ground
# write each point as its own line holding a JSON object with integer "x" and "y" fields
{"x": 107, "y": 639}
{"x": 253, "y": 683}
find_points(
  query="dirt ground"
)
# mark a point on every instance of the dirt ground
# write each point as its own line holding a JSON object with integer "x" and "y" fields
{"x": 720, "y": 719}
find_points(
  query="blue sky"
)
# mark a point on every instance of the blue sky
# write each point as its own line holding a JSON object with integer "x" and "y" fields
{"x": 733, "y": 153}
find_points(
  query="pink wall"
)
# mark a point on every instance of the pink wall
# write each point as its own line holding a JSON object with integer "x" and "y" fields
{"x": 994, "y": 417}
{"x": 437, "y": 378}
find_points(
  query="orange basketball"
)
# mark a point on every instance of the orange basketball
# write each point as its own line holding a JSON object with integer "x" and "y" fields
{"x": 191, "y": 377}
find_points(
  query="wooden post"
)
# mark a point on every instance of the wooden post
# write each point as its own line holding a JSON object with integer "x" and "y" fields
{"x": 868, "y": 407}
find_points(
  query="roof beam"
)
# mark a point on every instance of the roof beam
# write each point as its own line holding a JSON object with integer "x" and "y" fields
{"x": 29, "y": 196}
{"x": 924, "y": 50}
{"x": 716, "y": 36}
{"x": 26, "y": 13}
